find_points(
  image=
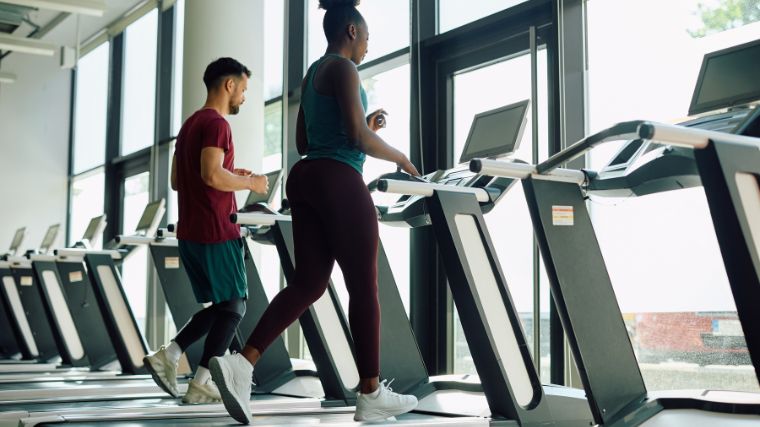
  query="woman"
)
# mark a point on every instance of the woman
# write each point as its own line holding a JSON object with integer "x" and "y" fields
{"x": 333, "y": 218}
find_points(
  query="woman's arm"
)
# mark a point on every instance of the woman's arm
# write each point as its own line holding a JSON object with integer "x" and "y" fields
{"x": 345, "y": 81}
{"x": 301, "y": 142}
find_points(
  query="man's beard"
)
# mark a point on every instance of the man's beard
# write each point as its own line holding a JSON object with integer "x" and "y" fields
{"x": 234, "y": 109}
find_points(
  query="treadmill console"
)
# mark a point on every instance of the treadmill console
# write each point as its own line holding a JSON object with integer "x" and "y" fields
{"x": 494, "y": 133}
{"x": 725, "y": 92}
{"x": 410, "y": 211}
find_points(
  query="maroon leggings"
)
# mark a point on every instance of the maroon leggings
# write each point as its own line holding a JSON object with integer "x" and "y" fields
{"x": 334, "y": 219}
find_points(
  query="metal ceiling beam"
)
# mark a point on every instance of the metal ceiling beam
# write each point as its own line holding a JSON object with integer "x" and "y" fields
{"x": 84, "y": 7}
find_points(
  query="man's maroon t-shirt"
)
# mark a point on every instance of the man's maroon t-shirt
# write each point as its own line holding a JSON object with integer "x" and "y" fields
{"x": 204, "y": 212}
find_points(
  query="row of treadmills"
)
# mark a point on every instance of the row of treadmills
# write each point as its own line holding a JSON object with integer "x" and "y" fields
{"x": 73, "y": 350}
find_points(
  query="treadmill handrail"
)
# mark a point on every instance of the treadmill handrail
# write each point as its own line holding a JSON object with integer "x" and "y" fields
{"x": 257, "y": 218}
{"x": 42, "y": 258}
{"x": 19, "y": 261}
{"x": 620, "y": 131}
{"x": 523, "y": 171}
{"x": 133, "y": 240}
{"x": 640, "y": 129}
{"x": 688, "y": 137}
{"x": 77, "y": 252}
{"x": 428, "y": 189}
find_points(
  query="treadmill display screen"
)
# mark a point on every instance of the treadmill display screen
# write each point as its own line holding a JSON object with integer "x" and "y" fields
{"x": 727, "y": 78}
{"x": 92, "y": 227}
{"x": 253, "y": 197}
{"x": 496, "y": 132}
{"x": 17, "y": 239}
{"x": 52, "y": 233}
{"x": 149, "y": 214}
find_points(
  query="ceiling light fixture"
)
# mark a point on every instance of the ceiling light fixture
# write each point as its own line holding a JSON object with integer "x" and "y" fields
{"x": 25, "y": 45}
{"x": 7, "y": 77}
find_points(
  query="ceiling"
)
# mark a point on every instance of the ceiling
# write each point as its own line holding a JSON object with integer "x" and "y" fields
{"x": 15, "y": 18}
{"x": 59, "y": 28}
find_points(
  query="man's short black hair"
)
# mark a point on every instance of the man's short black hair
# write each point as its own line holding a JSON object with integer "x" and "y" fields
{"x": 218, "y": 70}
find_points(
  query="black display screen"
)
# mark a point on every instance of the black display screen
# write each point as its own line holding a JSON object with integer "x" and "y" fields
{"x": 495, "y": 132}
{"x": 727, "y": 78}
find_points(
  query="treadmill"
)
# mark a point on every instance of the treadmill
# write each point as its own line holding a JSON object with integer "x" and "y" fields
{"x": 446, "y": 395}
{"x": 454, "y": 203}
{"x": 719, "y": 151}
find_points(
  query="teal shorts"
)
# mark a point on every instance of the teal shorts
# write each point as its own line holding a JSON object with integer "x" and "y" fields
{"x": 216, "y": 270}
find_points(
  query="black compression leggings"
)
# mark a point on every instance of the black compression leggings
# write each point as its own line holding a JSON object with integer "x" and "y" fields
{"x": 219, "y": 322}
{"x": 334, "y": 219}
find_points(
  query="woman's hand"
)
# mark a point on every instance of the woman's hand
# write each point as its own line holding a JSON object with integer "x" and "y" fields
{"x": 408, "y": 167}
{"x": 377, "y": 120}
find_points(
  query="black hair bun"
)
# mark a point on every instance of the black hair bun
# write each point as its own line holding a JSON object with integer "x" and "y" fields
{"x": 332, "y": 4}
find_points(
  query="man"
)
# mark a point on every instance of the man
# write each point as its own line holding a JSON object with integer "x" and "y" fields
{"x": 210, "y": 247}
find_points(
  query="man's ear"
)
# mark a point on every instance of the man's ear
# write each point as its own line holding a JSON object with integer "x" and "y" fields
{"x": 351, "y": 31}
{"x": 229, "y": 84}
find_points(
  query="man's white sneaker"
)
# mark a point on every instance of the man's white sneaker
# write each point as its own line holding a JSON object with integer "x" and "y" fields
{"x": 163, "y": 371}
{"x": 201, "y": 393}
{"x": 233, "y": 375}
{"x": 385, "y": 405}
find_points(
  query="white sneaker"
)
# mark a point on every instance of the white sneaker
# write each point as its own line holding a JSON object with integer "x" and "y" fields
{"x": 385, "y": 405}
{"x": 163, "y": 371}
{"x": 201, "y": 393}
{"x": 233, "y": 375}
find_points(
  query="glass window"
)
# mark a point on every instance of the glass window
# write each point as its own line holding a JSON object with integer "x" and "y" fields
{"x": 272, "y": 137}
{"x": 388, "y": 23}
{"x": 388, "y": 90}
{"x": 86, "y": 202}
{"x": 179, "y": 55}
{"x": 274, "y": 27}
{"x": 674, "y": 293}
{"x": 90, "y": 109}
{"x": 481, "y": 90}
{"x": 138, "y": 115}
{"x": 135, "y": 267}
{"x": 455, "y": 13}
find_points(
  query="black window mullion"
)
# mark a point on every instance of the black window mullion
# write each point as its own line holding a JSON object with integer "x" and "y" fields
{"x": 164, "y": 106}
{"x": 114, "y": 173}
{"x": 294, "y": 64}
{"x": 70, "y": 167}
{"x": 429, "y": 311}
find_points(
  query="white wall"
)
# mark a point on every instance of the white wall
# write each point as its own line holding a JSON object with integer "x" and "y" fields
{"x": 208, "y": 37}
{"x": 34, "y": 148}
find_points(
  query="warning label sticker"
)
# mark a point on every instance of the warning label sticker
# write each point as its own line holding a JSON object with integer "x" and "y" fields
{"x": 562, "y": 215}
{"x": 171, "y": 262}
{"x": 75, "y": 276}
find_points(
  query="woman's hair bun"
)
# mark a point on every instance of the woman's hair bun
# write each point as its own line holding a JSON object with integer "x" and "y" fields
{"x": 332, "y": 4}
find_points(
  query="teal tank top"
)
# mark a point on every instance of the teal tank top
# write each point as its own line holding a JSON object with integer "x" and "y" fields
{"x": 325, "y": 130}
